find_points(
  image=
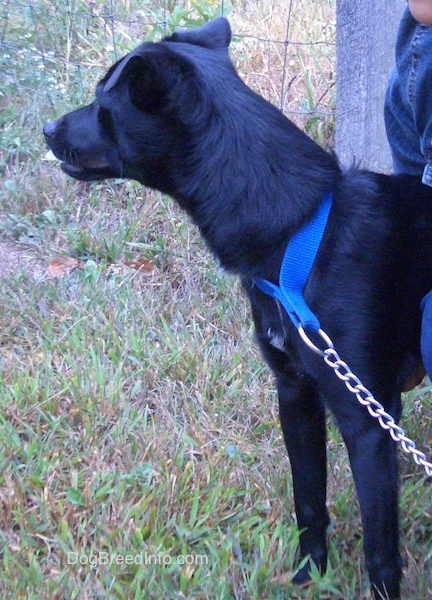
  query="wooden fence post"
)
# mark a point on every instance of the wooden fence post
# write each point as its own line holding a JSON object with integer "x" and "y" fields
{"x": 365, "y": 37}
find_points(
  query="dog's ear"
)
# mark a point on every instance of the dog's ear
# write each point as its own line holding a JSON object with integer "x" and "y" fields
{"x": 121, "y": 70}
{"x": 214, "y": 35}
{"x": 149, "y": 76}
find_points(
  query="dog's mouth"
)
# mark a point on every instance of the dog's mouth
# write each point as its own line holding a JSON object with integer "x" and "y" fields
{"x": 88, "y": 171}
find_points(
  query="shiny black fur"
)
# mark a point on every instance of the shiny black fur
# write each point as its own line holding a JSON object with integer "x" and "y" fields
{"x": 176, "y": 117}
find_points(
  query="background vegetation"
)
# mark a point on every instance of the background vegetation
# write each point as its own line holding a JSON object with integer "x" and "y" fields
{"x": 136, "y": 417}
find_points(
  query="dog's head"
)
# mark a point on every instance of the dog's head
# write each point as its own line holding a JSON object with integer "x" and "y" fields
{"x": 153, "y": 100}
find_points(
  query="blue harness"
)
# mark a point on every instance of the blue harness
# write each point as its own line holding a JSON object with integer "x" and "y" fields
{"x": 296, "y": 267}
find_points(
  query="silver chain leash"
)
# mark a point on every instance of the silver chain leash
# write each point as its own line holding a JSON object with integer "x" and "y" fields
{"x": 365, "y": 397}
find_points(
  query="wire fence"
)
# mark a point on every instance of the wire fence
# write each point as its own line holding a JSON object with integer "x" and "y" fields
{"x": 52, "y": 53}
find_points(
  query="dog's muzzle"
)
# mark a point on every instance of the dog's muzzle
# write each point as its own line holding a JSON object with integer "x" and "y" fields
{"x": 79, "y": 163}
{"x": 49, "y": 129}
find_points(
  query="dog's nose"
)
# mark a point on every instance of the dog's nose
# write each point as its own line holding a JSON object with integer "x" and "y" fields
{"x": 49, "y": 129}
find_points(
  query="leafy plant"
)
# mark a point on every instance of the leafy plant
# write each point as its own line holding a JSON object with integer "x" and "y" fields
{"x": 175, "y": 15}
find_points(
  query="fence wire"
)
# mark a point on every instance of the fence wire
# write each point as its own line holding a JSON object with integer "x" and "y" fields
{"x": 52, "y": 53}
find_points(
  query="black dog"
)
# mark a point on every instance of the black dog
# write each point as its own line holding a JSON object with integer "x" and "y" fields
{"x": 175, "y": 116}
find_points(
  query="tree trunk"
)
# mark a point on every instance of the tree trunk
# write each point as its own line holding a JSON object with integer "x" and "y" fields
{"x": 365, "y": 37}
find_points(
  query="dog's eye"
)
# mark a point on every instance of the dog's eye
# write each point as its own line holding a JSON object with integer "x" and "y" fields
{"x": 104, "y": 117}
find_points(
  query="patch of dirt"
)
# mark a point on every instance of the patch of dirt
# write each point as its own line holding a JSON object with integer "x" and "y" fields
{"x": 20, "y": 258}
{"x": 17, "y": 258}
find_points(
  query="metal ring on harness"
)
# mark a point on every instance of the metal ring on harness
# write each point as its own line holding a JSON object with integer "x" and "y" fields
{"x": 312, "y": 346}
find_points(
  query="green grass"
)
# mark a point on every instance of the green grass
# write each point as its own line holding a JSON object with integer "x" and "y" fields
{"x": 138, "y": 423}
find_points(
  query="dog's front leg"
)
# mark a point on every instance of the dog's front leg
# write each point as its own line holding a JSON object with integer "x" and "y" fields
{"x": 302, "y": 418}
{"x": 373, "y": 460}
{"x": 374, "y": 467}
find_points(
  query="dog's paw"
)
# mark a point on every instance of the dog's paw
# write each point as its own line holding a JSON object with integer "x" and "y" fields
{"x": 303, "y": 575}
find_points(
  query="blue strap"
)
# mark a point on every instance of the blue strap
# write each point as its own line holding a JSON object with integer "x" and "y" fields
{"x": 296, "y": 267}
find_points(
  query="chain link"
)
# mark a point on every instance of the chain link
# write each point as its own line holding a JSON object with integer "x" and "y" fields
{"x": 365, "y": 397}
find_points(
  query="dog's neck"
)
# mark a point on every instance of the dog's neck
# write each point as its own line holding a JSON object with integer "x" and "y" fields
{"x": 256, "y": 181}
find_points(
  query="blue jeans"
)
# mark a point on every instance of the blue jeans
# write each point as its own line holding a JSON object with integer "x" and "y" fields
{"x": 408, "y": 119}
{"x": 408, "y": 102}
{"x": 426, "y": 335}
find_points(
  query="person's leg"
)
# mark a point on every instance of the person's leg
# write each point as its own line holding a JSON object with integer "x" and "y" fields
{"x": 426, "y": 333}
{"x": 408, "y": 101}
{"x": 408, "y": 120}
{"x": 401, "y": 129}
